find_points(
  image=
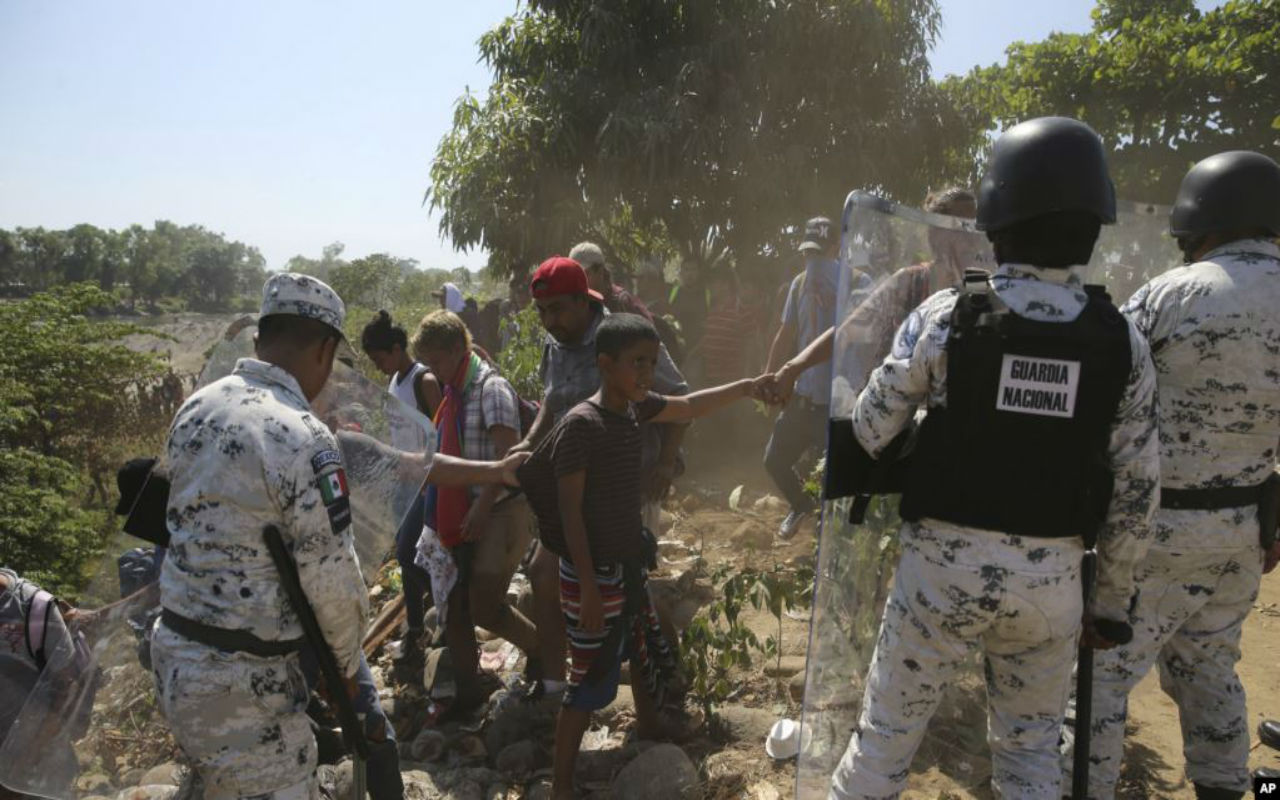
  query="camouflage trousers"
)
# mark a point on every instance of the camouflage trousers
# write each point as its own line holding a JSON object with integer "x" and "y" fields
{"x": 1191, "y": 606}
{"x": 239, "y": 718}
{"x": 1015, "y": 600}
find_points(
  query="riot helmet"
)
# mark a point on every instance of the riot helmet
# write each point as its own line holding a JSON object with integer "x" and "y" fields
{"x": 1238, "y": 190}
{"x": 1044, "y": 166}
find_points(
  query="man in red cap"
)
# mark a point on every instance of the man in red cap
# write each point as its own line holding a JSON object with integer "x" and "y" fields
{"x": 570, "y": 312}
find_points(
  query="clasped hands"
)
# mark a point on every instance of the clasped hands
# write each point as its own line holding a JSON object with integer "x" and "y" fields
{"x": 775, "y": 388}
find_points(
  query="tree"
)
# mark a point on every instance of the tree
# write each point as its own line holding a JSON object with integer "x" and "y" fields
{"x": 1162, "y": 82}
{"x": 723, "y": 123}
{"x": 330, "y": 259}
{"x": 370, "y": 282}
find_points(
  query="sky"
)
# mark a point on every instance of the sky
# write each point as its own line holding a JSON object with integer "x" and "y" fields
{"x": 286, "y": 124}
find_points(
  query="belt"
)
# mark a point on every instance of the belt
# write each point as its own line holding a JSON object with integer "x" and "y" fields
{"x": 223, "y": 639}
{"x": 1210, "y": 499}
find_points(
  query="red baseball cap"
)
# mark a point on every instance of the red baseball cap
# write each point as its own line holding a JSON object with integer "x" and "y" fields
{"x": 560, "y": 275}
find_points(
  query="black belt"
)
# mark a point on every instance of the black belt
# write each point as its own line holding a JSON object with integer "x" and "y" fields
{"x": 1210, "y": 499}
{"x": 224, "y": 639}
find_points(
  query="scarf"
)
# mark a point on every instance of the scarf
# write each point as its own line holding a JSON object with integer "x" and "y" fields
{"x": 447, "y": 506}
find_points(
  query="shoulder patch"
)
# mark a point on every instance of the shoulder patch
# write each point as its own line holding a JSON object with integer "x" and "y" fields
{"x": 324, "y": 459}
{"x": 337, "y": 501}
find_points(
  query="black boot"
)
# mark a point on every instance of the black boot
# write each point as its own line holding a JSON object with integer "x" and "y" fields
{"x": 1267, "y": 772}
{"x": 1217, "y": 793}
{"x": 1269, "y": 733}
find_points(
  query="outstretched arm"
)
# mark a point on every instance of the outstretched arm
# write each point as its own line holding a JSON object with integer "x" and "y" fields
{"x": 453, "y": 471}
{"x": 705, "y": 401}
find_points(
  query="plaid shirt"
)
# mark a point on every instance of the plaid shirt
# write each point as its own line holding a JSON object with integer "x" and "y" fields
{"x": 490, "y": 401}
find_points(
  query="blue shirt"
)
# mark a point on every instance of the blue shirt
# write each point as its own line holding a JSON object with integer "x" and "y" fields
{"x": 811, "y": 308}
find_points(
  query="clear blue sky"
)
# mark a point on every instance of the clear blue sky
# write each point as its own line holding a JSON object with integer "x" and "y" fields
{"x": 286, "y": 124}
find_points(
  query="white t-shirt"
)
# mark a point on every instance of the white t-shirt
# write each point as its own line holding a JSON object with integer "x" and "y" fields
{"x": 408, "y": 425}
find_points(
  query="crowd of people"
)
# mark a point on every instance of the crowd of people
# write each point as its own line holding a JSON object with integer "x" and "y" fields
{"x": 1050, "y": 429}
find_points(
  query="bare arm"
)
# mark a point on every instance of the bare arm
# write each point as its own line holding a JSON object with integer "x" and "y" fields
{"x": 428, "y": 394}
{"x": 705, "y": 401}
{"x": 453, "y": 471}
{"x": 542, "y": 425}
{"x": 477, "y": 519}
{"x": 570, "y": 490}
{"x": 777, "y": 351}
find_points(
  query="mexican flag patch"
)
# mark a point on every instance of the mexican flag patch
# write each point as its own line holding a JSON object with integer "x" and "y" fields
{"x": 333, "y": 486}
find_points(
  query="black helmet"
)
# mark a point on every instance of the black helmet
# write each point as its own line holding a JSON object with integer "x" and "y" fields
{"x": 1042, "y": 166}
{"x": 1233, "y": 191}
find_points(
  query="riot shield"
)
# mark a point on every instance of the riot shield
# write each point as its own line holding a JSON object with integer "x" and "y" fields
{"x": 856, "y": 560}
{"x": 88, "y": 722}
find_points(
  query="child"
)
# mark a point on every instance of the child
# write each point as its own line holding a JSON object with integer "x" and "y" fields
{"x": 582, "y": 482}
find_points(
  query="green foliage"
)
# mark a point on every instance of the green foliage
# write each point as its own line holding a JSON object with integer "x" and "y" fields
{"x": 72, "y": 407}
{"x": 520, "y": 359}
{"x": 717, "y": 641}
{"x": 705, "y": 124}
{"x": 1164, "y": 83}
{"x": 371, "y": 281}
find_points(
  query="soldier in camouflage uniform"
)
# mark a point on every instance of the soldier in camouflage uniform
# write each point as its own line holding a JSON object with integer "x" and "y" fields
{"x": 991, "y": 543}
{"x": 1214, "y": 329}
{"x": 246, "y": 452}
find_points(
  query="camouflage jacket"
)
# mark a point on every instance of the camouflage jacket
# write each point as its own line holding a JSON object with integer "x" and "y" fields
{"x": 914, "y": 374}
{"x": 246, "y": 452}
{"x": 1214, "y": 329}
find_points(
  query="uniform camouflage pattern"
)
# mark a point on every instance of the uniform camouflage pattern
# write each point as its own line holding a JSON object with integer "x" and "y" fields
{"x": 246, "y": 452}
{"x": 958, "y": 587}
{"x": 1215, "y": 335}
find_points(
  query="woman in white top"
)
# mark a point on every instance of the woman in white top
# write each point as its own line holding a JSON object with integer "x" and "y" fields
{"x": 418, "y": 390}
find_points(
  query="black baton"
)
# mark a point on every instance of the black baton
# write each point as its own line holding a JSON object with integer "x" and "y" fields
{"x": 352, "y": 731}
{"x": 1084, "y": 688}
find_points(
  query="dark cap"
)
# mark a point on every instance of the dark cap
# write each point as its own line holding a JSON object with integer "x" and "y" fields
{"x": 559, "y": 275}
{"x": 819, "y": 234}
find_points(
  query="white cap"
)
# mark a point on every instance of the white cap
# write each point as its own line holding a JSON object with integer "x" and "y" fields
{"x": 588, "y": 254}
{"x": 452, "y": 297}
{"x": 303, "y": 296}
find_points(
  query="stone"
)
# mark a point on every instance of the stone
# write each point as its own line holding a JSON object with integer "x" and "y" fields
{"x": 519, "y": 759}
{"x": 148, "y": 793}
{"x": 428, "y": 745}
{"x": 795, "y": 687}
{"x": 94, "y": 783}
{"x": 763, "y": 791}
{"x": 769, "y": 503}
{"x": 624, "y": 703}
{"x": 661, "y": 771}
{"x": 167, "y": 774}
{"x": 752, "y": 535}
{"x": 418, "y": 785}
{"x": 745, "y": 724}
{"x": 470, "y": 747}
{"x": 133, "y": 777}
{"x": 784, "y": 667}
{"x": 512, "y": 720}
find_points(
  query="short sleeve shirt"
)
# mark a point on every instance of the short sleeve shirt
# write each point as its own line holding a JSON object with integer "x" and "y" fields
{"x": 811, "y": 308}
{"x": 606, "y": 446}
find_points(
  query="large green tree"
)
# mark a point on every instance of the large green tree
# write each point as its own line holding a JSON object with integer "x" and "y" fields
{"x": 1164, "y": 83}
{"x": 716, "y": 122}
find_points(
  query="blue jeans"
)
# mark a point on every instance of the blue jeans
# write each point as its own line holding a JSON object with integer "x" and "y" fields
{"x": 383, "y": 769}
{"x": 801, "y": 425}
{"x": 415, "y": 579}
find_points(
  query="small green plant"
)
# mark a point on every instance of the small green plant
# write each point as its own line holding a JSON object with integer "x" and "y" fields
{"x": 520, "y": 359}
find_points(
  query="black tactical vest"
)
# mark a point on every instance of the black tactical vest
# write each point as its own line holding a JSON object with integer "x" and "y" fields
{"x": 1022, "y": 444}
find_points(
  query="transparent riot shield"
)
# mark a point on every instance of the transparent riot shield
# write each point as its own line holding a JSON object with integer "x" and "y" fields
{"x": 892, "y": 257}
{"x": 87, "y": 723}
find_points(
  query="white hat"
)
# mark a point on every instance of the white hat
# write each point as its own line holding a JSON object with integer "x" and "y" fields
{"x": 303, "y": 296}
{"x": 588, "y": 254}
{"x": 786, "y": 739}
{"x": 452, "y": 297}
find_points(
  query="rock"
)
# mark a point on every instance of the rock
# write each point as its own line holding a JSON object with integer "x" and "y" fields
{"x": 665, "y": 520}
{"x": 795, "y": 687}
{"x": 539, "y": 790}
{"x": 785, "y": 667}
{"x": 511, "y": 720}
{"x": 769, "y": 503}
{"x": 428, "y": 745}
{"x": 763, "y": 791}
{"x": 133, "y": 777}
{"x": 94, "y": 783}
{"x": 326, "y": 776}
{"x": 752, "y": 535}
{"x": 152, "y": 792}
{"x": 519, "y": 759}
{"x": 418, "y": 785}
{"x": 167, "y": 774}
{"x": 470, "y": 747}
{"x": 343, "y": 777}
{"x": 746, "y": 724}
{"x": 661, "y": 771}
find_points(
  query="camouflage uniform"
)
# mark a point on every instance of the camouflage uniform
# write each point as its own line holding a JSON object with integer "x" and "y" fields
{"x": 243, "y": 453}
{"x": 1018, "y": 598}
{"x": 1214, "y": 333}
